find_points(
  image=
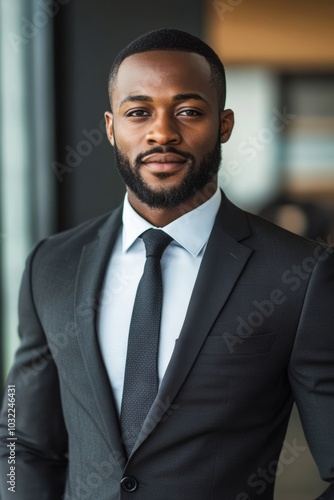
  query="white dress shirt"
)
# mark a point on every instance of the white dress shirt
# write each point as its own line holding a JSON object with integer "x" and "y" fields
{"x": 179, "y": 265}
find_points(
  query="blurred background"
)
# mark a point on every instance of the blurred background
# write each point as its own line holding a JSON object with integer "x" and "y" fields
{"x": 56, "y": 166}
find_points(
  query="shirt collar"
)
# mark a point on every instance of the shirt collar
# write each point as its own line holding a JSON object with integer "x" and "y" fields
{"x": 191, "y": 230}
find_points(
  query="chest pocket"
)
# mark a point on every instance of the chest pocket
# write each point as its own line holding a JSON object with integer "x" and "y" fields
{"x": 234, "y": 345}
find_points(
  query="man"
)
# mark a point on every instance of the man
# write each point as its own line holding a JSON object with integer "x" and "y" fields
{"x": 106, "y": 408}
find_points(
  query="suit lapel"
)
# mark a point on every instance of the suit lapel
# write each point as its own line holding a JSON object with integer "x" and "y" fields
{"x": 224, "y": 259}
{"x": 94, "y": 260}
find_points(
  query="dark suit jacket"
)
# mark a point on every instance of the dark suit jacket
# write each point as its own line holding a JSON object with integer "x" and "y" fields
{"x": 258, "y": 334}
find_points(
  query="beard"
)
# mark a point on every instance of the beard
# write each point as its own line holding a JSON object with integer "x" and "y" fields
{"x": 169, "y": 197}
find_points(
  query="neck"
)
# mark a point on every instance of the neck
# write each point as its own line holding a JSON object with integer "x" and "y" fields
{"x": 160, "y": 217}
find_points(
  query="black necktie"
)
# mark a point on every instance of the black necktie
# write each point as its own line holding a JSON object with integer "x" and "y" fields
{"x": 141, "y": 371}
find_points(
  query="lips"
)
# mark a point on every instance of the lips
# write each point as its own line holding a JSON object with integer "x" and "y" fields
{"x": 164, "y": 162}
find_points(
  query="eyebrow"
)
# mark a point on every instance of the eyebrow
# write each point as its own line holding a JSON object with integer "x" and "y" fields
{"x": 136, "y": 98}
{"x": 177, "y": 97}
{"x": 185, "y": 97}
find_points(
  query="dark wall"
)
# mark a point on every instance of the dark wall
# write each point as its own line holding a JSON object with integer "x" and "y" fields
{"x": 88, "y": 35}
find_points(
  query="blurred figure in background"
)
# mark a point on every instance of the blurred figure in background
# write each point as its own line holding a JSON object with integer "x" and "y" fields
{"x": 302, "y": 217}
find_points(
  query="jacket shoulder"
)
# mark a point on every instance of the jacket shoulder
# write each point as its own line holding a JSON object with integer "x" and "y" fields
{"x": 67, "y": 244}
{"x": 260, "y": 234}
{"x": 269, "y": 232}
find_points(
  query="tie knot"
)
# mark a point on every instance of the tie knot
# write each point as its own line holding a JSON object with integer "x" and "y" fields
{"x": 155, "y": 242}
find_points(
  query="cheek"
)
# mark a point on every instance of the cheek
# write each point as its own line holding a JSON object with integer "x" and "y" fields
{"x": 129, "y": 144}
{"x": 123, "y": 146}
{"x": 201, "y": 144}
{"x": 204, "y": 137}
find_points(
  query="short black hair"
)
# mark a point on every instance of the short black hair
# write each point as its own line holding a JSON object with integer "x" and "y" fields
{"x": 173, "y": 39}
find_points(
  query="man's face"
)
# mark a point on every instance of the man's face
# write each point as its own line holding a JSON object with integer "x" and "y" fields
{"x": 166, "y": 126}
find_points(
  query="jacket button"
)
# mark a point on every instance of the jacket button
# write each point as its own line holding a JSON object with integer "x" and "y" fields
{"x": 129, "y": 484}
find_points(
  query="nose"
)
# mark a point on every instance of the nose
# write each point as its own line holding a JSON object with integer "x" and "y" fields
{"x": 163, "y": 130}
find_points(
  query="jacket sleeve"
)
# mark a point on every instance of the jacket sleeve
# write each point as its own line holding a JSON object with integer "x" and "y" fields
{"x": 38, "y": 448}
{"x": 311, "y": 369}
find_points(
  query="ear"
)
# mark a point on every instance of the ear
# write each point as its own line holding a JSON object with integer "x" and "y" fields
{"x": 108, "y": 116}
{"x": 227, "y": 124}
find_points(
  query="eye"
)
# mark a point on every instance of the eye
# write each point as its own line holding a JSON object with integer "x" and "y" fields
{"x": 190, "y": 112}
{"x": 137, "y": 113}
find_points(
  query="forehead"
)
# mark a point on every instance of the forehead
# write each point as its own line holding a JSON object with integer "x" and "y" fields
{"x": 163, "y": 71}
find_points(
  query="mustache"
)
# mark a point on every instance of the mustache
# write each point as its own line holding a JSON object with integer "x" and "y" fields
{"x": 163, "y": 150}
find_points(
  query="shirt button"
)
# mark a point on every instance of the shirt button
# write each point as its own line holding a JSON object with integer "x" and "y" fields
{"x": 129, "y": 484}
